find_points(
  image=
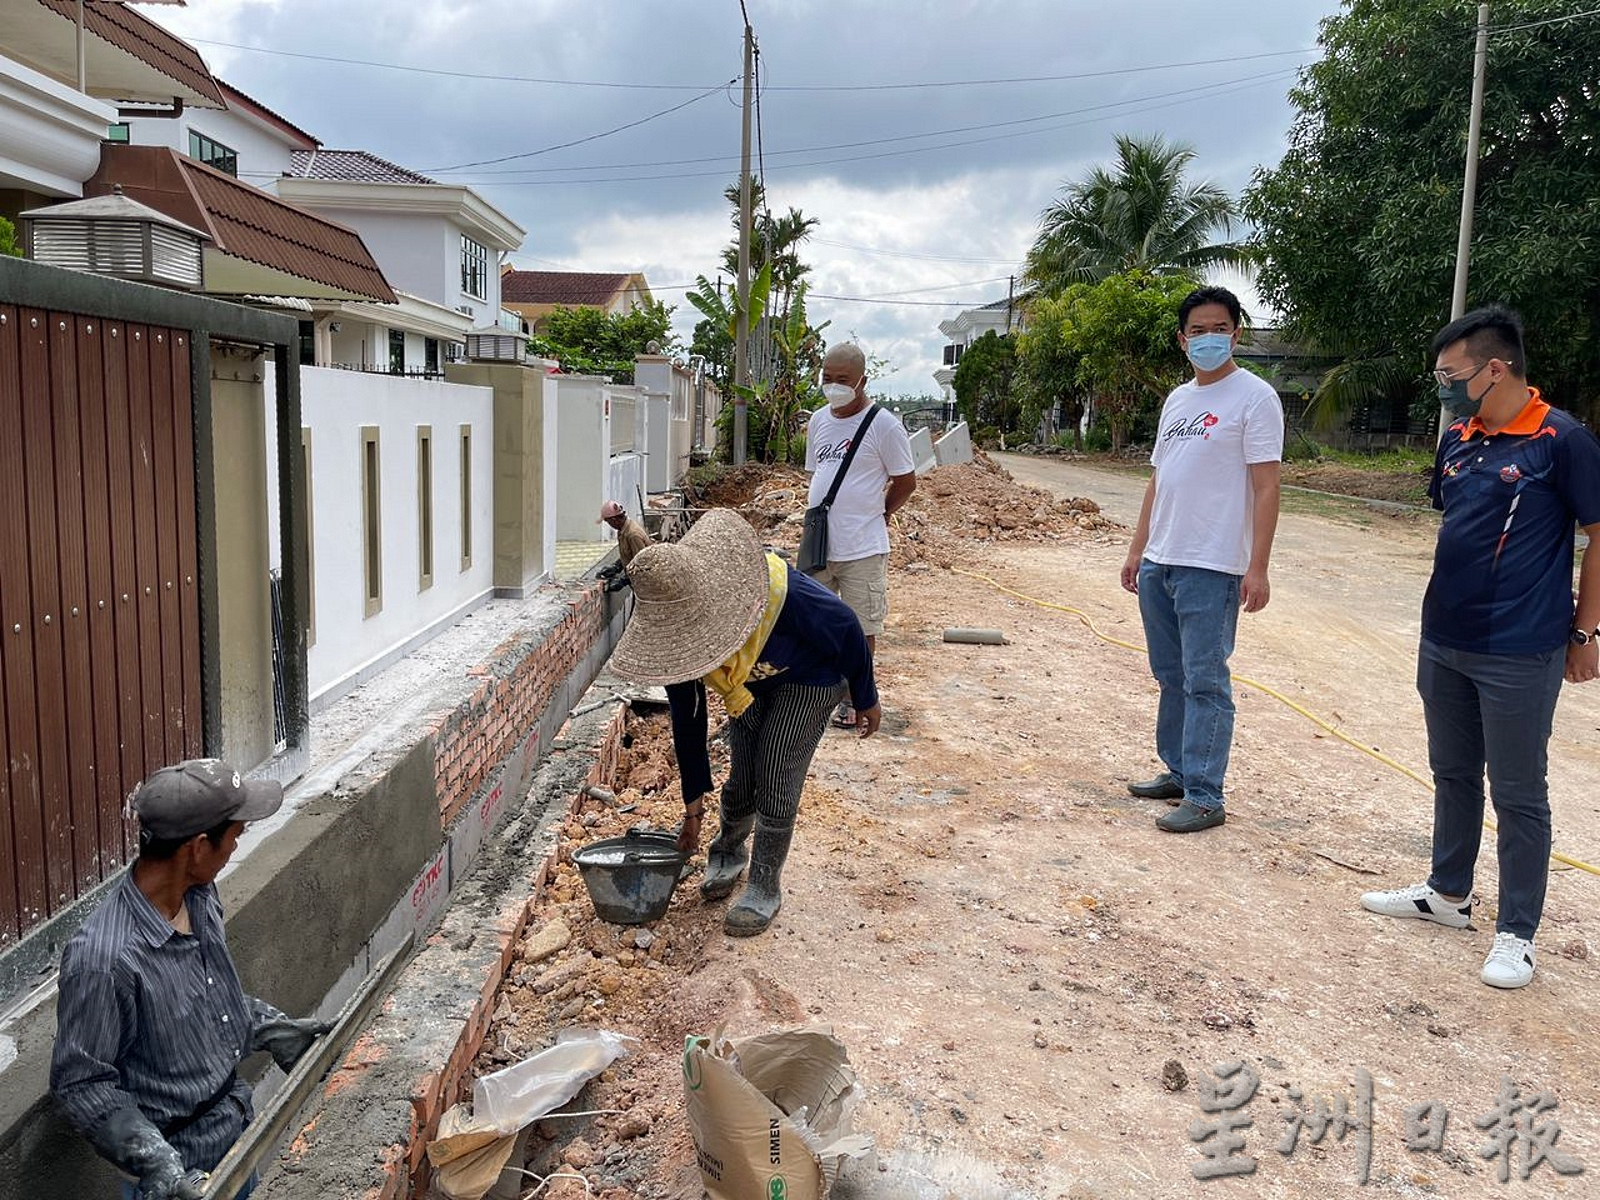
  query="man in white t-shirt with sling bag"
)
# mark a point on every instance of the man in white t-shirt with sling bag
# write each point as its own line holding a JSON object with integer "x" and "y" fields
{"x": 881, "y": 476}
{"x": 1201, "y": 551}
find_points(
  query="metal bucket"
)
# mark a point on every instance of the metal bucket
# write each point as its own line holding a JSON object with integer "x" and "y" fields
{"x": 630, "y": 878}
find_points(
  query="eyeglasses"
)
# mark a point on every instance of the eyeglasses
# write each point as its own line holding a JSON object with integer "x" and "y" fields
{"x": 1444, "y": 379}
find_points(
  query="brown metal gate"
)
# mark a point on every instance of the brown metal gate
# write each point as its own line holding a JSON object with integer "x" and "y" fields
{"x": 100, "y": 670}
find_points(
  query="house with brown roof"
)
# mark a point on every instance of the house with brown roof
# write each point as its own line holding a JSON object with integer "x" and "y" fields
{"x": 536, "y": 294}
{"x": 50, "y": 127}
{"x": 440, "y": 244}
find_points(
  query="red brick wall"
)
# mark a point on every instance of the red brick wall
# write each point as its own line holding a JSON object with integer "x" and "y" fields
{"x": 517, "y": 684}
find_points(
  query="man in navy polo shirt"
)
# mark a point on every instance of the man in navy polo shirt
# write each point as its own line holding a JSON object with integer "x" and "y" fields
{"x": 1500, "y": 628}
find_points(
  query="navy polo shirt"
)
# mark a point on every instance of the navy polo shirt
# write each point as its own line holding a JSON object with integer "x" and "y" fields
{"x": 1502, "y": 571}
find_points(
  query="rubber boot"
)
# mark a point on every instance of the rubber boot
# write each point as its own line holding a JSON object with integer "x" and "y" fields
{"x": 761, "y": 899}
{"x": 726, "y": 858}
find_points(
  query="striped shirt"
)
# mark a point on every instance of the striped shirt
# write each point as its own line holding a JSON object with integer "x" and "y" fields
{"x": 150, "y": 1017}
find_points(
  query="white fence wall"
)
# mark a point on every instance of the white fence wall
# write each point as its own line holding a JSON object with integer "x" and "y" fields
{"x": 349, "y": 643}
{"x": 583, "y": 436}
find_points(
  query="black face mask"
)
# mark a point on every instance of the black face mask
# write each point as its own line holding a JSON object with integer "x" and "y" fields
{"x": 1457, "y": 400}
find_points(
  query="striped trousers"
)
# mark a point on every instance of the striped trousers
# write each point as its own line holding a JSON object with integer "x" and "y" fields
{"x": 770, "y": 748}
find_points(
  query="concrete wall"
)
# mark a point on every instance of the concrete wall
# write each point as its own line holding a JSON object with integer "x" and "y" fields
{"x": 348, "y": 644}
{"x": 955, "y": 446}
{"x": 583, "y": 431}
{"x": 657, "y": 444}
{"x": 243, "y": 555}
{"x": 922, "y": 451}
{"x": 524, "y": 467}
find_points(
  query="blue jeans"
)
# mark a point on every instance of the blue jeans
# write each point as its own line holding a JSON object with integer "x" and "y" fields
{"x": 1494, "y": 712}
{"x": 1190, "y": 617}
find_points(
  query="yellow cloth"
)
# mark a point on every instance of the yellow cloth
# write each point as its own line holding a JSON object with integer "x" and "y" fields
{"x": 728, "y": 680}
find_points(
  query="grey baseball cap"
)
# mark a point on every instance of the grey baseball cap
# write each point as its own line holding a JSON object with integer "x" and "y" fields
{"x": 191, "y": 797}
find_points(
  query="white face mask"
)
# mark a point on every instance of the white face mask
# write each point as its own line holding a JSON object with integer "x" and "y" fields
{"x": 838, "y": 395}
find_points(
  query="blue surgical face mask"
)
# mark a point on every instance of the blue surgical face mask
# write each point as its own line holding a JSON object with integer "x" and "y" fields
{"x": 1208, "y": 351}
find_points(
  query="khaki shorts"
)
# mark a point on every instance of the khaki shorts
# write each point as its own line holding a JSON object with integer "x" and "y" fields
{"x": 863, "y": 584}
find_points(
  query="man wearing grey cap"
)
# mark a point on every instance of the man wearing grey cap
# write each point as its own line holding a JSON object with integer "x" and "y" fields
{"x": 151, "y": 1020}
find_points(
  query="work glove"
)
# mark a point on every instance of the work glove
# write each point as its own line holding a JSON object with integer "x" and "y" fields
{"x": 286, "y": 1039}
{"x": 609, "y": 572}
{"x": 617, "y": 583}
{"x": 185, "y": 1186}
{"x": 128, "y": 1138}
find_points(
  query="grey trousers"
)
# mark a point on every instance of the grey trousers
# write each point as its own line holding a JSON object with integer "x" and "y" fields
{"x": 1491, "y": 712}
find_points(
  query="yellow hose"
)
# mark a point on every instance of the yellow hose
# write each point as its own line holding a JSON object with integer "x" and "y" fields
{"x": 1319, "y": 722}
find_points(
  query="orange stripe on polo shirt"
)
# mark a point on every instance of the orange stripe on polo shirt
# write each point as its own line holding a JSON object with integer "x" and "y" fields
{"x": 1529, "y": 421}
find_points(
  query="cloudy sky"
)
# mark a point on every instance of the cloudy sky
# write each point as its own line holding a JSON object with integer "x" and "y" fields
{"x": 926, "y": 194}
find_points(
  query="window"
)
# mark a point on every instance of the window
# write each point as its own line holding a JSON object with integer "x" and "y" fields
{"x": 213, "y": 153}
{"x": 119, "y": 133}
{"x": 430, "y": 355}
{"x": 371, "y": 521}
{"x": 311, "y": 541}
{"x": 308, "y": 343}
{"x": 397, "y": 352}
{"x": 466, "y": 497}
{"x": 474, "y": 269}
{"x": 424, "y": 507}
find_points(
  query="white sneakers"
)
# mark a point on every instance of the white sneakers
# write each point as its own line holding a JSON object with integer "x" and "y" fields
{"x": 1421, "y": 901}
{"x": 1510, "y": 962}
{"x": 1511, "y": 959}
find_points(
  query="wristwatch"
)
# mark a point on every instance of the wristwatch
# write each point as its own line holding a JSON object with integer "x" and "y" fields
{"x": 1581, "y": 637}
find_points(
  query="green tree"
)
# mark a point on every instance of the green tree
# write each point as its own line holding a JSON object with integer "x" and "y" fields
{"x": 982, "y": 382}
{"x": 1357, "y": 225}
{"x": 773, "y": 239}
{"x": 591, "y": 341}
{"x": 1144, "y": 214}
{"x": 1049, "y": 361}
{"x": 8, "y": 239}
{"x": 1124, "y": 330}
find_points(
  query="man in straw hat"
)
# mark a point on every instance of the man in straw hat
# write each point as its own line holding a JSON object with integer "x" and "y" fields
{"x": 152, "y": 1022}
{"x": 717, "y": 610}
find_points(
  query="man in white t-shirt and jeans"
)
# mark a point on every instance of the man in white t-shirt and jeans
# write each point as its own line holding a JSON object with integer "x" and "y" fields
{"x": 881, "y": 478}
{"x": 1200, "y": 553}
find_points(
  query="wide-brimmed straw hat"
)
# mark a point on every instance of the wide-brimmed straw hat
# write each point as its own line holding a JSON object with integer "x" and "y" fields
{"x": 697, "y": 601}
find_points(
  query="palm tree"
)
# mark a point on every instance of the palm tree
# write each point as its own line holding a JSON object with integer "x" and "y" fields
{"x": 1142, "y": 215}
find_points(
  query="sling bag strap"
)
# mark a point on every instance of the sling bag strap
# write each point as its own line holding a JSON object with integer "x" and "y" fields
{"x": 855, "y": 444}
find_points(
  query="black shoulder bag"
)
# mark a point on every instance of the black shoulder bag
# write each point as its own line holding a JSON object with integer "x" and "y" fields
{"x": 813, "y": 554}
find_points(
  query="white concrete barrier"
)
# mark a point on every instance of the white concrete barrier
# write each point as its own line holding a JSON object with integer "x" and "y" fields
{"x": 954, "y": 447}
{"x": 922, "y": 451}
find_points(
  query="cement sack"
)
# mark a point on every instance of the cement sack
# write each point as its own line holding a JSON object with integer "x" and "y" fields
{"x": 474, "y": 1143}
{"x": 771, "y": 1115}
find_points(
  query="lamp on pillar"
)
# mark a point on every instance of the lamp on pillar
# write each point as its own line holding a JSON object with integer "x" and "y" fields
{"x": 113, "y": 235}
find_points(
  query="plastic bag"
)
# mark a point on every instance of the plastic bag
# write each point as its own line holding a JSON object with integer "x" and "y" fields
{"x": 523, "y": 1092}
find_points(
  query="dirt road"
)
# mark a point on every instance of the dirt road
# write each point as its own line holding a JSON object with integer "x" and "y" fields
{"x": 1022, "y": 966}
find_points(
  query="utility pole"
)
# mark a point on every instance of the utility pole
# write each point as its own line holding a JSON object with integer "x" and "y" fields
{"x": 1011, "y": 289}
{"x": 1469, "y": 187}
{"x": 741, "y": 341}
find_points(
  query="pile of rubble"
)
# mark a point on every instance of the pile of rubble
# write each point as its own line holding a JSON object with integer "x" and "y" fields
{"x": 955, "y": 503}
{"x": 572, "y": 969}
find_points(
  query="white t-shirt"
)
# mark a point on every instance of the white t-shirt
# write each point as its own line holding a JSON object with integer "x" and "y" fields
{"x": 1206, "y": 441}
{"x": 856, "y": 528}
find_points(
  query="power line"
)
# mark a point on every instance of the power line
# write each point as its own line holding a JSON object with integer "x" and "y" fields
{"x": 908, "y": 137}
{"x": 900, "y": 303}
{"x": 948, "y": 83}
{"x": 629, "y": 85}
{"x": 593, "y": 137}
{"x": 479, "y": 75}
{"x": 1593, "y": 12}
{"x": 955, "y": 258}
{"x": 1210, "y": 91}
